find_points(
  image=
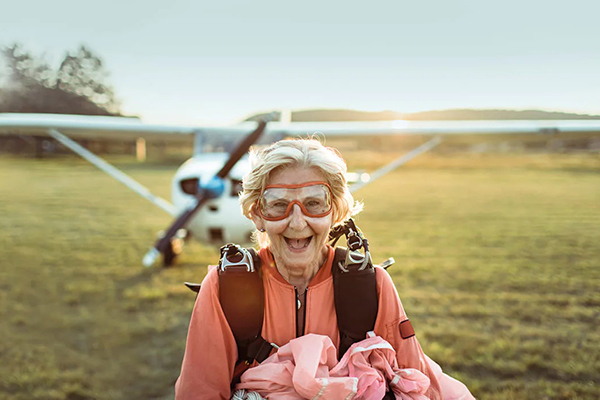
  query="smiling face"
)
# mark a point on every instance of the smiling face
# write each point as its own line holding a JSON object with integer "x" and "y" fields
{"x": 298, "y": 242}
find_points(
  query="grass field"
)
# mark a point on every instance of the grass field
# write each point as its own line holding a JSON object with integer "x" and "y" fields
{"x": 497, "y": 263}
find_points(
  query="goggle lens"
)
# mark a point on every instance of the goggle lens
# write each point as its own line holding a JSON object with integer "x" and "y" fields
{"x": 277, "y": 201}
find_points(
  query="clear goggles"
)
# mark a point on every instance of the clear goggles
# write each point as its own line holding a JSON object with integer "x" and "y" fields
{"x": 277, "y": 201}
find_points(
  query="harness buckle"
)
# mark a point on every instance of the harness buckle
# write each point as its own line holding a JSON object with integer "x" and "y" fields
{"x": 354, "y": 241}
{"x": 233, "y": 255}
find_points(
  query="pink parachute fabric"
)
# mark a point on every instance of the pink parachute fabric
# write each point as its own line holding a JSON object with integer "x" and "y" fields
{"x": 307, "y": 368}
{"x": 451, "y": 388}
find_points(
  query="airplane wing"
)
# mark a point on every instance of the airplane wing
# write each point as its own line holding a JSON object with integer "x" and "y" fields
{"x": 95, "y": 127}
{"x": 401, "y": 127}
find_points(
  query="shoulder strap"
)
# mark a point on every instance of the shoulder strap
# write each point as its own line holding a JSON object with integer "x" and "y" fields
{"x": 355, "y": 297}
{"x": 241, "y": 294}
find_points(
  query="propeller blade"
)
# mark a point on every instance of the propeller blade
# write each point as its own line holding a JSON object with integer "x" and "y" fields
{"x": 243, "y": 147}
{"x": 213, "y": 189}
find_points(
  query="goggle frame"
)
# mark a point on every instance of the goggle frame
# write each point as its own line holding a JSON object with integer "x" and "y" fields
{"x": 290, "y": 205}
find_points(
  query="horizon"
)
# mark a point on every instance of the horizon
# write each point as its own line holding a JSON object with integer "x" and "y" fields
{"x": 198, "y": 64}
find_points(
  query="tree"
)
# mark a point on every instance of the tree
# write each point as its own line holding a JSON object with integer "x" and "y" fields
{"x": 78, "y": 86}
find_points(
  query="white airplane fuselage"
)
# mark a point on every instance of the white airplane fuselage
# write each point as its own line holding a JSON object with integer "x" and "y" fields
{"x": 221, "y": 220}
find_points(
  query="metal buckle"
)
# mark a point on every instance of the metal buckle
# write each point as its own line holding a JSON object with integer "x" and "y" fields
{"x": 356, "y": 258}
{"x": 354, "y": 241}
{"x": 244, "y": 258}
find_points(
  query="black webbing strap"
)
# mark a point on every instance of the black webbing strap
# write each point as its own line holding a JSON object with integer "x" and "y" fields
{"x": 241, "y": 294}
{"x": 259, "y": 349}
{"x": 242, "y": 299}
{"x": 356, "y": 301}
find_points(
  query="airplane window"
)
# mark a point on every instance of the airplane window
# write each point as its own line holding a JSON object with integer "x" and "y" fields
{"x": 189, "y": 186}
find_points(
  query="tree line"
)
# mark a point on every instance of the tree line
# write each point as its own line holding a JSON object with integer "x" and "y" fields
{"x": 79, "y": 85}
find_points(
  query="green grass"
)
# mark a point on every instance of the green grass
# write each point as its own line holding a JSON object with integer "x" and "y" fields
{"x": 497, "y": 263}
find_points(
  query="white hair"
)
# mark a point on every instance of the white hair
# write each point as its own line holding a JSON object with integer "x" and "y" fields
{"x": 302, "y": 153}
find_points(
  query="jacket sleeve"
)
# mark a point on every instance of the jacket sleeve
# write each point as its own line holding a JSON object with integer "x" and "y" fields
{"x": 389, "y": 316}
{"x": 210, "y": 351}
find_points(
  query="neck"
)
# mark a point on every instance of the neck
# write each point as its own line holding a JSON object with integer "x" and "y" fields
{"x": 300, "y": 276}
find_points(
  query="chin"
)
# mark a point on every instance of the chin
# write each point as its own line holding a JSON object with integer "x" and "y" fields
{"x": 298, "y": 257}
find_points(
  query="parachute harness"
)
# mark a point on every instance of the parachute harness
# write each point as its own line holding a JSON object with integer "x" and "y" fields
{"x": 233, "y": 255}
{"x": 354, "y": 241}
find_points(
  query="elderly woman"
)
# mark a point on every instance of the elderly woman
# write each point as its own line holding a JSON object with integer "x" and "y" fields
{"x": 295, "y": 194}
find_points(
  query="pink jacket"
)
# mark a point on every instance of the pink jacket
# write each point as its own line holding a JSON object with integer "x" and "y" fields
{"x": 211, "y": 351}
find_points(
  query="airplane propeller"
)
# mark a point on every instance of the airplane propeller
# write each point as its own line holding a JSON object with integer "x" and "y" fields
{"x": 211, "y": 190}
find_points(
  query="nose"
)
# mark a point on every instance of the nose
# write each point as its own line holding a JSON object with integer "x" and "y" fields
{"x": 297, "y": 220}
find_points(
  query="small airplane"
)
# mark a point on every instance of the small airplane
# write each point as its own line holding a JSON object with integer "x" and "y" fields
{"x": 204, "y": 190}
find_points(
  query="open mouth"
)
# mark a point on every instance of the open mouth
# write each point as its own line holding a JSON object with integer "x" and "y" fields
{"x": 298, "y": 244}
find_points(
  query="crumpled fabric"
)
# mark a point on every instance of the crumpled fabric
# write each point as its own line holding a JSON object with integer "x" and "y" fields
{"x": 307, "y": 368}
{"x": 451, "y": 388}
{"x": 373, "y": 361}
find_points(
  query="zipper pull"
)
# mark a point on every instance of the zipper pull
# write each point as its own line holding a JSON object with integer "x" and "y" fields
{"x": 298, "y": 303}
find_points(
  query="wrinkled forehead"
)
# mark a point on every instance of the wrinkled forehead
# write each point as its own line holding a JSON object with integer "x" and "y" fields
{"x": 309, "y": 189}
{"x": 295, "y": 175}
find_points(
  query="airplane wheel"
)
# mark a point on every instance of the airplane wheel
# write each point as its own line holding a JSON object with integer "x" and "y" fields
{"x": 173, "y": 250}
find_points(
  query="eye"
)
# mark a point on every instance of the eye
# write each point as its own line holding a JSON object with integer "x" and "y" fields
{"x": 278, "y": 204}
{"x": 313, "y": 203}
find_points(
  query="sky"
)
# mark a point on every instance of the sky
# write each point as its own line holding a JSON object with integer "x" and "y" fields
{"x": 216, "y": 62}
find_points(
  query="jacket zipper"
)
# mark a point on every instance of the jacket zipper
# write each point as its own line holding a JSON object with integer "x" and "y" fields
{"x": 304, "y": 311}
{"x": 297, "y": 309}
{"x": 300, "y": 307}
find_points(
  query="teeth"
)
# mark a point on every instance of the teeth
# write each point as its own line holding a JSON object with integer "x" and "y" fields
{"x": 298, "y": 243}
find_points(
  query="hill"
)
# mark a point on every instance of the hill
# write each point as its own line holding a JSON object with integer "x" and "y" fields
{"x": 318, "y": 115}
